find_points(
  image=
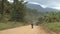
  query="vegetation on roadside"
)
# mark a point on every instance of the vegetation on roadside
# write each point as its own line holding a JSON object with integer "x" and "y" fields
{"x": 12, "y": 14}
{"x": 9, "y": 25}
{"x": 50, "y": 20}
{"x": 18, "y": 14}
{"x": 54, "y": 26}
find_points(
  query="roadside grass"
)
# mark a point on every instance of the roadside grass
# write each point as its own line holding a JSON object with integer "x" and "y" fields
{"x": 9, "y": 25}
{"x": 55, "y": 26}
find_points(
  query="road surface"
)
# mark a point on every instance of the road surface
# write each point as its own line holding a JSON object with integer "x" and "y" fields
{"x": 26, "y": 30}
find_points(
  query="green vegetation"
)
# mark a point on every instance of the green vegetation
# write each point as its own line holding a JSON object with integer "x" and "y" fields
{"x": 55, "y": 26}
{"x": 18, "y": 14}
{"x": 12, "y": 14}
{"x": 50, "y": 20}
{"x": 9, "y": 25}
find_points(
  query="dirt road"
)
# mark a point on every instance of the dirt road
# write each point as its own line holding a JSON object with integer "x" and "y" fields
{"x": 26, "y": 30}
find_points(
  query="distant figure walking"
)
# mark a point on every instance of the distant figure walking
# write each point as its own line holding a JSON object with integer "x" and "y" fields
{"x": 32, "y": 25}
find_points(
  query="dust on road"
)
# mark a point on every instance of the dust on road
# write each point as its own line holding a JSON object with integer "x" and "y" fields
{"x": 26, "y": 30}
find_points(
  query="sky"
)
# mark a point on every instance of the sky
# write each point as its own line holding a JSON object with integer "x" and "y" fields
{"x": 46, "y": 3}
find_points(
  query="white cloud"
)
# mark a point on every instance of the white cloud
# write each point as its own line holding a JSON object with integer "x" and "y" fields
{"x": 48, "y": 3}
{"x": 43, "y": 6}
{"x": 45, "y": 3}
{"x": 56, "y": 8}
{"x": 38, "y": 4}
{"x": 55, "y": 5}
{"x": 33, "y": 3}
{"x": 11, "y": 1}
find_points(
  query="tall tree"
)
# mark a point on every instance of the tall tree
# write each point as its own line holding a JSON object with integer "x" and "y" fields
{"x": 19, "y": 10}
{"x": 5, "y": 7}
{"x": 2, "y": 7}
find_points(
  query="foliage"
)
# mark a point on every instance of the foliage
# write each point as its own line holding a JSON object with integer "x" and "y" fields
{"x": 19, "y": 11}
{"x": 50, "y": 17}
{"x": 16, "y": 10}
{"x": 55, "y": 26}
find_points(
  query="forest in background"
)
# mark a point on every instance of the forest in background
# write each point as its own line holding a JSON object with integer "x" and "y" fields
{"x": 18, "y": 14}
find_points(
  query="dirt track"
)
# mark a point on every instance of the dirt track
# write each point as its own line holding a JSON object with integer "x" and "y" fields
{"x": 26, "y": 30}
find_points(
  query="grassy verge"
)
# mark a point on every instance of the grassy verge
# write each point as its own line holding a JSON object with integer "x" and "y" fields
{"x": 10, "y": 25}
{"x": 53, "y": 26}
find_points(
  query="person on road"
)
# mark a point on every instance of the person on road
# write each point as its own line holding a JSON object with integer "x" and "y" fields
{"x": 32, "y": 25}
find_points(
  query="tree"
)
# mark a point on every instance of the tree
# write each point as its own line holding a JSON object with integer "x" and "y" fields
{"x": 19, "y": 10}
{"x": 0, "y": 6}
